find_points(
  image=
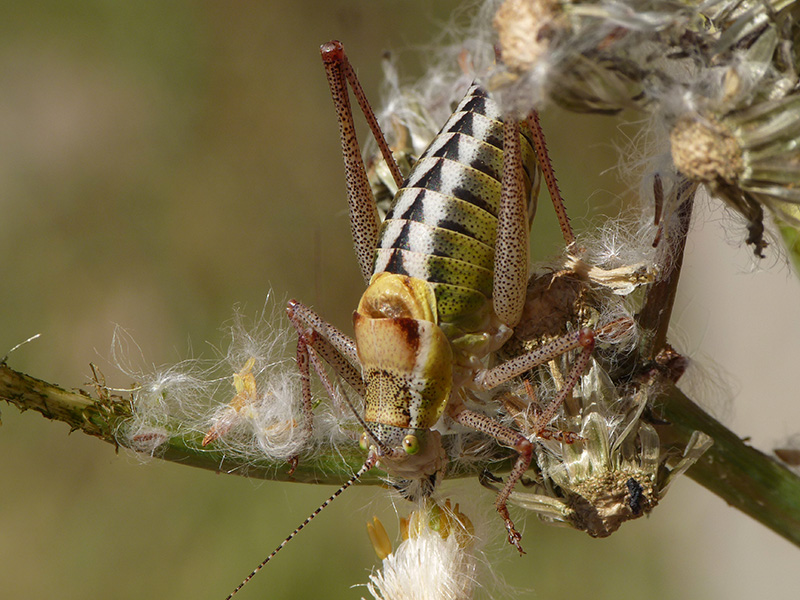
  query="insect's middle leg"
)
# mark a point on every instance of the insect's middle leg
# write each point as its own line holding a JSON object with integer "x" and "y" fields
{"x": 491, "y": 378}
{"x": 487, "y": 379}
{"x": 506, "y": 437}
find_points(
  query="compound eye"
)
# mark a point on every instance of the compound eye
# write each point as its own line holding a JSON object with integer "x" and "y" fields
{"x": 411, "y": 444}
{"x": 364, "y": 442}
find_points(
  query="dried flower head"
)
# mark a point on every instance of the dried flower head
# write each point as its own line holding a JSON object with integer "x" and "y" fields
{"x": 748, "y": 156}
{"x": 585, "y": 56}
{"x": 721, "y": 75}
{"x": 613, "y": 471}
{"x": 599, "y": 463}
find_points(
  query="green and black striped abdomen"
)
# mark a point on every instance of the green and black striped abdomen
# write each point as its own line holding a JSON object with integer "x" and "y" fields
{"x": 443, "y": 221}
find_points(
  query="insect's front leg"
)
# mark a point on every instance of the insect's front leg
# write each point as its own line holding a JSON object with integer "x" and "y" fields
{"x": 305, "y": 387}
{"x": 336, "y": 348}
{"x": 316, "y": 338}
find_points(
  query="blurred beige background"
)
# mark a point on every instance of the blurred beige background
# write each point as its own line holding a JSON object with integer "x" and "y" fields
{"x": 160, "y": 164}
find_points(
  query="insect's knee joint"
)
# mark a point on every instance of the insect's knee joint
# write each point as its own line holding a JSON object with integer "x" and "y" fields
{"x": 291, "y": 307}
{"x": 332, "y": 52}
{"x": 524, "y": 446}
{"x": 586, "y": 339}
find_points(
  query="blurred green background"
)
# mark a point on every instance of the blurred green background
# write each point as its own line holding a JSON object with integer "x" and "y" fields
{"x": 162, "y": 162}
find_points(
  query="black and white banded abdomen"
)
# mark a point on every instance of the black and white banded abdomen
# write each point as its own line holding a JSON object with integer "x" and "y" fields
{"x": 442, "y": 224}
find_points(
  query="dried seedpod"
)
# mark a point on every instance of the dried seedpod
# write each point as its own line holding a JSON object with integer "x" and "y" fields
{"x": 614, "y": 471}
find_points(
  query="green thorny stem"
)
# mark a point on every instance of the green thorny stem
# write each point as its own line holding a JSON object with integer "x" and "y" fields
{"x": 744, "y": 477}
{"x": 104, "y": 416}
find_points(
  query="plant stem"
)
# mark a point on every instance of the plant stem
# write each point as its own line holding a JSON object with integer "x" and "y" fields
{"x": 103, "y": 417}
{"x": 744, "y": 477}
{"x": 657, "y": 309}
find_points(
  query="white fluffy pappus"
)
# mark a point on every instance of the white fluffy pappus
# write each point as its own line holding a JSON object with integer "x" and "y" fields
{"x": 245, "y": 405}
{"x": 426, "y": 567}
{"x": 263, "y": 417}
{"x": 437, "y": 560}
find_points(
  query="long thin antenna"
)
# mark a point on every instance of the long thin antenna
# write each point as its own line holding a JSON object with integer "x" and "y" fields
{"x": 368, "y": 464}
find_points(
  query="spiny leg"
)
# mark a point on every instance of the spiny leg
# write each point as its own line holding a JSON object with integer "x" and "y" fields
{"x": 511, "y": 245}
{"x": 363, "y": 211}
{"x": 307, "y": 405}
{"x": 587, "y": 342}
{"x": 487, "y": 379}
{"x": 540, "y": 144}
{"x": 490, "y": 378}
{"x": 527, "y": 417}
{"x": 303, "y": 317}
{"x": 335, "y": 359}
{"x": 369, "y": 114}
{"x": 315, "y": 338}
{"x": 506, "y": 437}
{"x": 319, "y": 369}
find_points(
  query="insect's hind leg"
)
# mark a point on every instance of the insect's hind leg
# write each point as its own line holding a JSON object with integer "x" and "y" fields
{"x": 513, "y": 225}
{"x": 363, "y": 210}
{"x": 540, "y": 145}
{"x": 512, "y": 242}
{"x": 335, "y": 58}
